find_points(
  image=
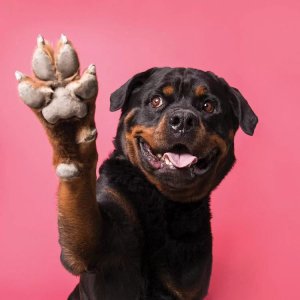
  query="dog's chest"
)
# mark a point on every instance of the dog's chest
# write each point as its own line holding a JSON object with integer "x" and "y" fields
{"x": 175, "y": 235}
{"x": 175, "y": 238}
{"x": 177, "y": 247}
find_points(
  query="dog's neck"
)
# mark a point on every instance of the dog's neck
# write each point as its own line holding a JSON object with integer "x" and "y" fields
{"x": 133, "y": 184}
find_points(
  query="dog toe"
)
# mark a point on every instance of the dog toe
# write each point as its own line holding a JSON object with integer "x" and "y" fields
{"x": 67, "y": 62}
{"x": 35, "y": 95}
{"x": 43, "y": 61}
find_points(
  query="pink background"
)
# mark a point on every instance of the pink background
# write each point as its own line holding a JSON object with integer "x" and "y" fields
{"x": 253, "y": 44}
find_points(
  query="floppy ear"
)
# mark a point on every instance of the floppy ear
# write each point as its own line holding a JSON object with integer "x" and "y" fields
{"x": 246, "y": 116}
{"x": 243, "y": 111}
{"x": 119, "y": 97}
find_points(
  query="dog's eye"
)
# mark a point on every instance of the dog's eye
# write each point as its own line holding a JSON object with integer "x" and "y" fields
{"x": 208, "y": 107}
{"x": 156, "y": 102}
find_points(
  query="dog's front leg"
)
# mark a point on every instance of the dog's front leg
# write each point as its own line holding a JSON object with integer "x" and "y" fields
{"x": 64, "y": 102}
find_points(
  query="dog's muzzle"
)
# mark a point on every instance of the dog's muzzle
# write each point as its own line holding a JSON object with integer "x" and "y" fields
{"x": 183, "y": 121}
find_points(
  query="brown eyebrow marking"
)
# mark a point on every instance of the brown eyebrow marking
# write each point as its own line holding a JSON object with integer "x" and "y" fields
{"x": 168, "y": 90}
{"x": 200, "y": 90}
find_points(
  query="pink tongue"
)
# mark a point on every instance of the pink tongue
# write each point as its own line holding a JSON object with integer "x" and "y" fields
{"x": 180, "y": 160}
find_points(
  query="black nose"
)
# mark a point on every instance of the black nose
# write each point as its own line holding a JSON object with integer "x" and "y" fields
{"x": 183, "y": 121}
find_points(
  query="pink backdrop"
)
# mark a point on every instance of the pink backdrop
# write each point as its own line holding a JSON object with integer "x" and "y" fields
{"x": 253, "y": 44}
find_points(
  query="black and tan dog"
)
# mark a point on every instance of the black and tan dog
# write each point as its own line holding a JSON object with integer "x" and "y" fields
{"x": 142, "y": 230}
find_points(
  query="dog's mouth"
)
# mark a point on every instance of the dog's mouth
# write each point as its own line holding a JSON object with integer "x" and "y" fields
{"x": 178, "y": 158}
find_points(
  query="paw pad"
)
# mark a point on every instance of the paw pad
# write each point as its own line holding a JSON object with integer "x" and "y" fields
{"x": 67, "y": 171}
{"x": 58, "y": 92}
{"x": 64, "y": 106}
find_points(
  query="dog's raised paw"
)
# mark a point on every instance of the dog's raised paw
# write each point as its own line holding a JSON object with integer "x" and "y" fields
{"x": 57, "y": 91}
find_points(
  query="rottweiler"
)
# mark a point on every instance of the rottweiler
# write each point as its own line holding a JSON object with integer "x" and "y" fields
{"x": 142, "y": 229}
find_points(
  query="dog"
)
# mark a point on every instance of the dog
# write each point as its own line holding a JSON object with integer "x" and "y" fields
{"x": 142, "y": 229}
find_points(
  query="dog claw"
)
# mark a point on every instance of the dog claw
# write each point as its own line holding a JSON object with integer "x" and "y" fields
{"x": 40, "y": 40}
{"x": 19, "y": 75}
{"x": 92, "y": 69}
{"x": 63, "y": 39}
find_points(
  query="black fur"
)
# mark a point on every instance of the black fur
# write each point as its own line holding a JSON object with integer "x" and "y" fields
{"x": 170, "y": 237}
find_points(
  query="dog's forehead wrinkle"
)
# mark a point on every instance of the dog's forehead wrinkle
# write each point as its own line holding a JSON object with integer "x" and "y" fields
{"x": 175, "y": 76}
{"x": 184, "y": 80}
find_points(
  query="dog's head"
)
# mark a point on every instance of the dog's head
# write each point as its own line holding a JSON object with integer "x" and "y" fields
{"x": 178, "y": 125}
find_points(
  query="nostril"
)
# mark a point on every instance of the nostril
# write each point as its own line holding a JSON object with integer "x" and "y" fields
{"x": 190, "y": 122}
{"x": 183, "y": 121}
{"x": 175, "y": 121}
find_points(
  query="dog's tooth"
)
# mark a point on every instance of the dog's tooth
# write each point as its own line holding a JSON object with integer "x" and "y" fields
{"x": 159, "y": 155}
{"x": 168, "y": 162}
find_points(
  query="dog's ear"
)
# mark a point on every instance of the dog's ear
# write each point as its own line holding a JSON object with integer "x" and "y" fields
{"x": 242, "y": 110}
{"x": 246, "y": 116}
{"x": 119, "y": 97}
